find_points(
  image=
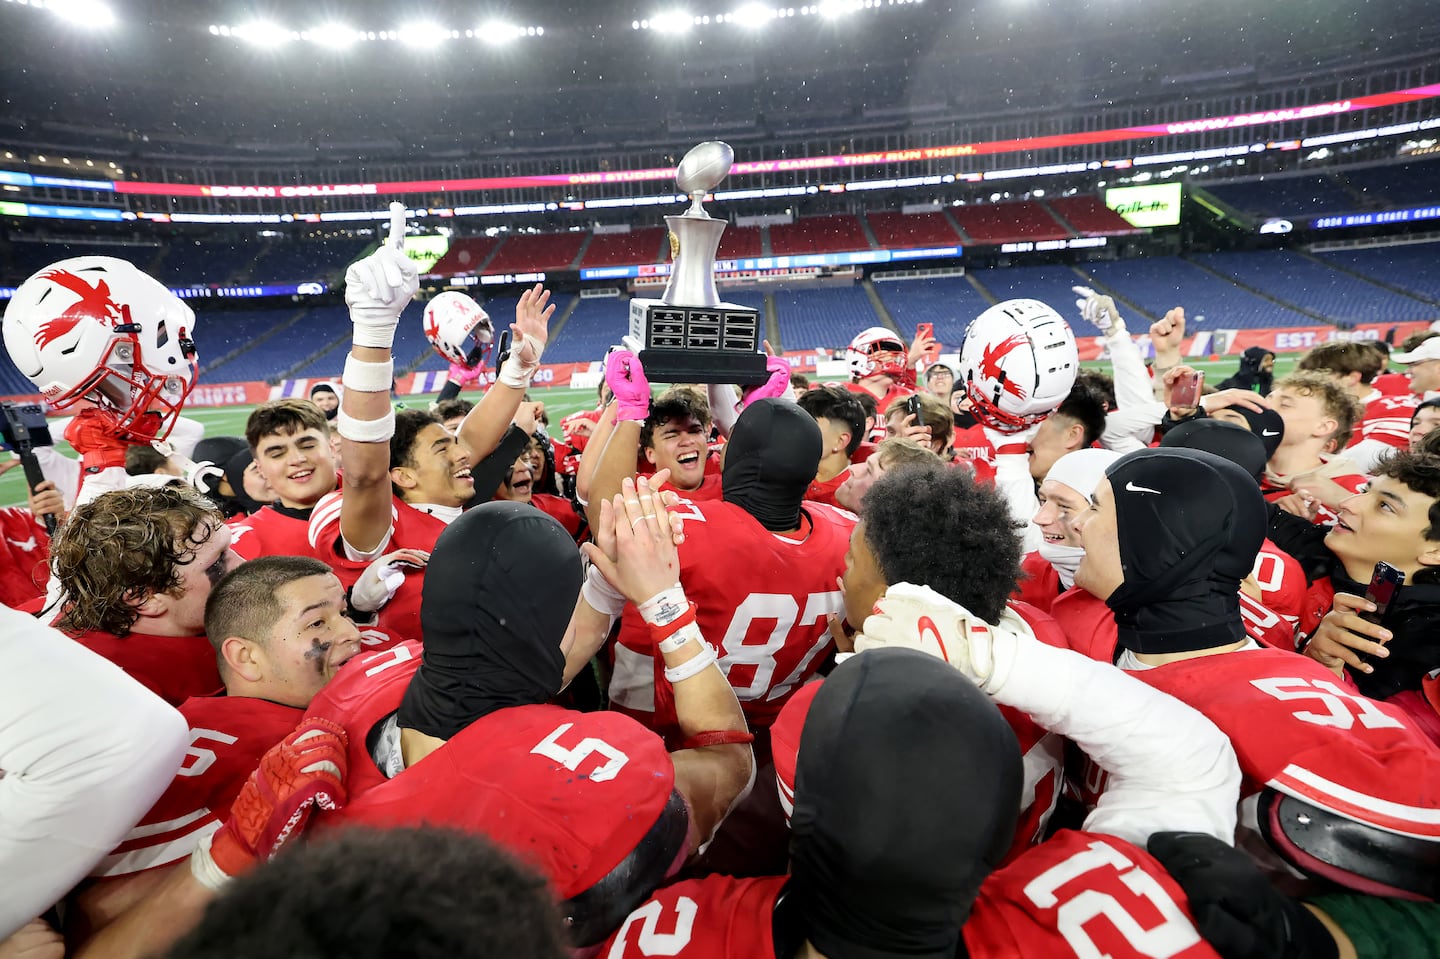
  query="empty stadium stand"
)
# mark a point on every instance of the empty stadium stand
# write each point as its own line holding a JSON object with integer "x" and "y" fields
{"x": 824, "y": 319}
{"x": 189, "y": 262}
{"x": 278, "y": 354}
{"x": 26, "y": 259}
{"x": 299, "y": 261}
{"x": 1285, "y": 196}
{"x": 595, "y": 325}
{"x": 626, "y": 249}
{"x": 739, "y": 241}
{"x": 950, "y": 303}
{"x": 1091, "y": 217}
{"x": 466, "y": 255}
{"x": 1337, "y": 296}
{"x": 1049, "y": 284}
{"x": 900, "y": 230}
{"x": 818, "y": 234}
{"x": 1158, "y": 284}
{"x": 1409, "y": 184}
{"x": 528, "y": 252}
{"x": 1414, "y": 267}
{"x": 1009, "y": 222}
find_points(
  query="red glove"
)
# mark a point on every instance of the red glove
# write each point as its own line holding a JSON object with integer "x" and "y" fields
{"x": 304, "y": 770}
{"x": 778, "y": 384}
{"x": 92, "y": 434}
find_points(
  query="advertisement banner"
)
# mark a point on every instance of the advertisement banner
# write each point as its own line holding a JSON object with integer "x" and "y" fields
{"x": 1287, "y": 339}
{"x": 1156, "y": 204}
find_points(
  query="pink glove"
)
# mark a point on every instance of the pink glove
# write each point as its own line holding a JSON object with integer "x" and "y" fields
{"x": 626, "y": 379}
{"x": 462, "y": 375}
{"x": 778, "y": 384}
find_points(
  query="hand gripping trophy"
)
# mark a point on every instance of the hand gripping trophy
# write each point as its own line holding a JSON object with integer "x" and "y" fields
{"x": 689, "y": 335}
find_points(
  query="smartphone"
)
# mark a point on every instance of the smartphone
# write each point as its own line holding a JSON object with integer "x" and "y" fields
{"x": 924, "y": 329}
{"x": 912, "y": 408}
{"x": 502, "y": 349}
{"x": 1185, "y": 391}
{"x": 1385, "y": 583}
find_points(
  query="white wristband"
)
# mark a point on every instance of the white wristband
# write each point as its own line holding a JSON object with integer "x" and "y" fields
{"x": 691, "y": 667}
{"x": 664, "y": 607}
{"x": 680, "y": 640}
{"x": 365, "y": 431}
{"x": 367, "y": 377}
{"x": 203, "y": 868}
{"x": 602, "y": 597}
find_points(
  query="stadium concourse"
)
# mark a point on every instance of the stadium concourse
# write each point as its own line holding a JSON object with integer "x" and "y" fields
{"x": 871, "y": 479}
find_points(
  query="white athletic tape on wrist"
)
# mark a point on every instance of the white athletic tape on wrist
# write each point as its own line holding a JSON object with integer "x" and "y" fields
{"x": 203, "y": 868}
{"x": 515, "y": 372}
{"x": 379, "y": 335}
{"x": 365, "y": 431}
{"x": 685, "y": 635}
{"x": 367, "y": 377}
{"x": 664, "y": 607}
{"x": 602, "y": 597}
{"x": 691, "y": 667}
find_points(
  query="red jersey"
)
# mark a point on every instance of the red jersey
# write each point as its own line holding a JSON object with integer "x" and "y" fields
{"x": 272, "y": 531}
{"x": 24, "y": 555}
{"x": 1337, "y": 470}
{"x": 898, "y": 391}
{"x": 571, "y": 794}
{"x": 1387, "y": 419}
{"x": 1282, "y": 582}
{"x": 172, "y": 667}
{"x": 1297, "y": 729}
{"x": 1039, "y": 584}
{"x": 1076, "y": 895}
{"x": 410, "y": 528}
{"x": 562, "y": 510}
{"x": 228, "y": 735}
{"x": 762, "y": 600}
{"x": 1392, "y": 384}
{"x": 974, "y": 444}
{"x": 709, "y": 489}
{"x": 823, "y": 491}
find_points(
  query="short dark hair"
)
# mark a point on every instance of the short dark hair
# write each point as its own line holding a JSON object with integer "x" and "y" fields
{"x": 287, "y": 417}
{"x": 978, "y": 562}
{"x": 838, "y": 404}
{"x": 676, "y": 403}
{"x": 449, "y": 409}
{"x": 937, "y": 368}
{"x": 420, "y": 893}
{"x": 868, "y": 402}
{"x": 1413, "y": 341}
{"x": 1086, "y": 406}
{"x": 1426, "y": 405}
{"x": 799, "y": 381}
{"x": 243, "y": 603}
{"x": 1418, "y": 470}
{"x": 1343, "y": 358}
{"x": 1102, "y": 384}
{"x": 123, "y": 546}
{"x": 142, "y": 458}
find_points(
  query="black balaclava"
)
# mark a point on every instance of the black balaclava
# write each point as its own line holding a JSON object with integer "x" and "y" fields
{"x": 1250, "y": 376}
{"x": 906, "y": 787}
{"x": 1265, "y": 424}
{"x": 235, "y": 468}
{"x": 326, "y": 388}
{"x": 1189, "y": 525}
{"x": 771, "y": 460}
{"x": 1229, "y": 441}
{"x": 498, "y": 593}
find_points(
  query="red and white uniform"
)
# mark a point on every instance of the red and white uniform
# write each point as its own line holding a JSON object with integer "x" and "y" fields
{"x": 172, "y": 667}
{"x": 24, "y": 551}
{"x": 973, "y": 443}
{"x": 561, "y": 510}
{"x": 1337, "y": 469}
{"x": 272, "y": 531}
{"x": 762, "y": 599}
{"x": 898, "y": 391}
{"x": 1392, "y": 384}
{"x": 228, "y": 735}
{"x": 568, "y": 793}
{"x": 1039, "y": 584}
{"x": 1282, "y": 582}
{"x": 1077, "y": 896}
{"x": 1386, "y": 419}
{"x": 1297, "y": 729}
{"x": 823, "y": 491}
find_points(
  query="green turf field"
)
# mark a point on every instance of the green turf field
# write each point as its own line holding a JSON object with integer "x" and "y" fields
{"x": 559, "y": 403}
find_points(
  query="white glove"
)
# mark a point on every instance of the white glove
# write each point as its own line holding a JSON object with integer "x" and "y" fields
{"x": 378, "y": 584}
{"x": 602, "y": 597}
{"x": 1012, "y": 443}
{"x": 1098, "y": 310}
{"x": 205, "y": 476}
{"x": 917, "y": 617}
{"x": 378, "y": 287}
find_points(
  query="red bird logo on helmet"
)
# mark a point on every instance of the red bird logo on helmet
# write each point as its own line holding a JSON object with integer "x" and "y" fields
{"x": 432, "y": 326}
{"x": 990, "y": 363}
{"x": 94, "y": 303}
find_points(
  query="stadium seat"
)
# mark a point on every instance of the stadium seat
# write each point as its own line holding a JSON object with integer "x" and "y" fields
{"x": 531, "y": 252}
{"x": 626, "y": 249}
{"x": 1090, "y": 216}
{"x": 822, "y": 319}
{"x": 1337, "y": 296}
{"x": 466, "y": 255}
{"x": 1284, "y": 196}
{"x": 1009, "y": 222}
{"x": 273, "y": 357}
{"x": 896, "y": 231}
{"x": 818, "y": 234}
{"x": 1414, "y": 267}
{"x": 1158, "y": 284}
{"x": 948, "y": 303}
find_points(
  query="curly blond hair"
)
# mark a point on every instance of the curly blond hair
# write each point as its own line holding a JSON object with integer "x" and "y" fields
{"x": 122, "y": 547}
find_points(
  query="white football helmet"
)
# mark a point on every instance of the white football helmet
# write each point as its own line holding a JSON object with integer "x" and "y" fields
{"x": 451, "y": 320}
{"x": 877, "y": 350}
{"x": 96, "y": 328}
{"x": 1018, "y": 364}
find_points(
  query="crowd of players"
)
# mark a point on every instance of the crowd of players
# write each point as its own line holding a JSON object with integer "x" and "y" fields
{"x": 1020, "y": 660}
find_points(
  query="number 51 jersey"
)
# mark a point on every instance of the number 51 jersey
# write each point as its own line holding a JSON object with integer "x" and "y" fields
{"x": 761, "y": 598}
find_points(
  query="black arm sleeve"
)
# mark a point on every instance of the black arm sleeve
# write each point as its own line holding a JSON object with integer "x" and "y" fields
{"x": 449, "y": 391}
{"x": 1303, "y": 540}
{"x": 489, "y": 473}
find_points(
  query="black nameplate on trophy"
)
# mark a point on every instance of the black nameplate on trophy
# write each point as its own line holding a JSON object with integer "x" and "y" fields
{"x": 698, "y": 344}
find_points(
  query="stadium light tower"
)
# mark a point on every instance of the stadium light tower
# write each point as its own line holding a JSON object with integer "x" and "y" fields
{"x": 421, "y": 34}
{"x": 672, "y": 21}
{"x": 85, "y": 13}
{"x": 752, "y": 15}
{"x": 334, "y": 35}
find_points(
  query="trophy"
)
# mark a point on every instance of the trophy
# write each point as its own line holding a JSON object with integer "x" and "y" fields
{"x": 689, "y": 335}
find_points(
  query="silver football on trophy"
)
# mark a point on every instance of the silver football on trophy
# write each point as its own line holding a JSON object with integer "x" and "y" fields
{"x": 704, "y": 167}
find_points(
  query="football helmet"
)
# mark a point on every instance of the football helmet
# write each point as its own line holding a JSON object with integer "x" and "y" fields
{"x": 875, "y": 351}
{"x": 451, "y": 320}
{"x": 1018, "y": 364}
{"x": 96, "y": 328}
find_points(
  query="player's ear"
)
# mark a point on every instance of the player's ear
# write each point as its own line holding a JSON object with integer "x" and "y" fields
{"x": 403, "y": 477}
{"x": 147, "y": 604}
{"x": 650, "y": 455}
{"x": 242, "y": 658}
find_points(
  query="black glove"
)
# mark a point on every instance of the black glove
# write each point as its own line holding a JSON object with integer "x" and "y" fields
{"x": 1235, "y": 908}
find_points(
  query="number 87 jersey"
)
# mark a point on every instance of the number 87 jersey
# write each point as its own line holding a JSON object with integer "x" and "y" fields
{"x": 761, "y": 598}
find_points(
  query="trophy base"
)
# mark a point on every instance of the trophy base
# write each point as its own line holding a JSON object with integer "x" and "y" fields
{"x": 697, "y": 344}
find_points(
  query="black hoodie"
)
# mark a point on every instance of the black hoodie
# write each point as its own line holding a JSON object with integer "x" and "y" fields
{"x": 1250, "y": 376}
